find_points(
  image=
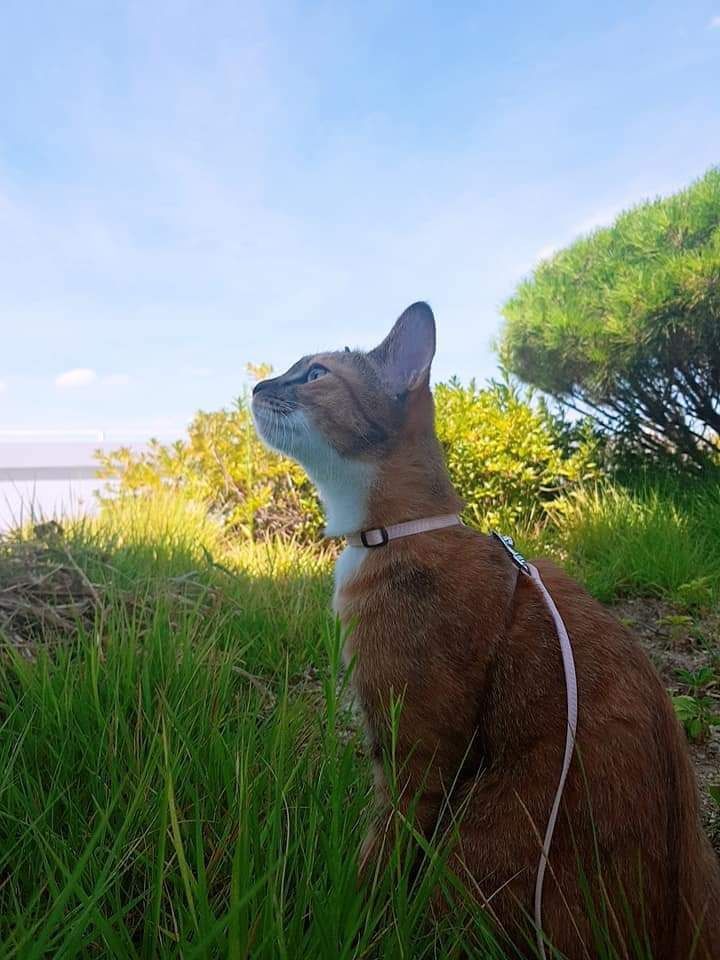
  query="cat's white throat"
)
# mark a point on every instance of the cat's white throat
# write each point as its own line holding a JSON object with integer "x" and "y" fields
{"x": 343, "y": 485}
{"x": 347, "y": 567}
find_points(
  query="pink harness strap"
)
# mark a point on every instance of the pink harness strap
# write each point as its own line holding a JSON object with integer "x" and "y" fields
{"x": 572, "y": 716}
{"x": 379, "y": 537}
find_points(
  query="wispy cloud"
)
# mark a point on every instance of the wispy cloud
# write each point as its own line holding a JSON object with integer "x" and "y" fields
{"x": 544, "y": 253}
{"x": 85, "y": 376}
{"x": 602, "y": 216}
{"x": 78, "y": 377}
{"x": 170, "y": 242}
{"x": 116, "y": 380}
{"x": 714, "y": 23}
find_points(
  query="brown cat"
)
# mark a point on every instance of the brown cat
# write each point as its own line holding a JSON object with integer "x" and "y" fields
{"x": 444, "y": 620}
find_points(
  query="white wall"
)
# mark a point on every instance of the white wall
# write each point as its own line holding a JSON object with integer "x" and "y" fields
{"x": 43, "y": 480}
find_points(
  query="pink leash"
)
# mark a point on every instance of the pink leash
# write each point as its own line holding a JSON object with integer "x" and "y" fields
{"x": 378, "y": 537}
{"x": 572, "y": 715}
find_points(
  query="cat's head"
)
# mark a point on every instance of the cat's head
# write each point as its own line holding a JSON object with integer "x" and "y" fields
{"x": 349, "y": 404}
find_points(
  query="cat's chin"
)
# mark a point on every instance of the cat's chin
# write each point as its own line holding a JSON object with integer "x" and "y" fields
{"x": 289, "y": 433}
{"x": 272, "y": 427}
{"x": 343, "y": 484}
{"x": 292, "y": 435}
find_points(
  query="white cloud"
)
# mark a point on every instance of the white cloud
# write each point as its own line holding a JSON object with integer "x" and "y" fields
{"x": 714, "y": 23}
{"x": 544, "y": 253}
{"x": 116, "y": 380}
{"x": 3, "y": 386}
{"x": 78, "y": 377}
{"x": 84, "y": 376}
{"x": 603, "y": 217}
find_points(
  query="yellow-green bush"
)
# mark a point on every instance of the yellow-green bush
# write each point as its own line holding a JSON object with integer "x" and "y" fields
{"x": 507, "y": 457}
{"x": 222, "y": 463}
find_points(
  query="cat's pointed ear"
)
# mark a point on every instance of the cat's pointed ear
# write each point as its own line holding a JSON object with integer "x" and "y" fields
{"x": 405, "y": 355}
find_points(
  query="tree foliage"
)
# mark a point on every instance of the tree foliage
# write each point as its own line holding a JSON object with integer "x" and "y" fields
{"x": 507, "y": 457}
{"x": 625, "y": 325}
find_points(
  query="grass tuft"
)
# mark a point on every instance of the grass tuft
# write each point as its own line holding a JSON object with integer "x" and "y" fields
{"x": 650, "y": 540}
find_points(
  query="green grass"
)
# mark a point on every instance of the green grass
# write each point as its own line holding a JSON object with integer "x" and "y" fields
{"x": 652, "y": 538}
{"x": 184, "y": 778}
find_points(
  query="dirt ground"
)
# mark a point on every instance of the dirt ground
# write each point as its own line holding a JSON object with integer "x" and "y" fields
{"x": 680, "y": 642}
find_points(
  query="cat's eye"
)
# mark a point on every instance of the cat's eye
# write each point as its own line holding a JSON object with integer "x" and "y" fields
{"x": 315, "y": 372}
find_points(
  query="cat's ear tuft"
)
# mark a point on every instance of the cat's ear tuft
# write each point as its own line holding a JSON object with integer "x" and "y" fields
{"x": 405, "y": 355}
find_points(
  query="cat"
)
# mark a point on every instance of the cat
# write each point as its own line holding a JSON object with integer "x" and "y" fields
{"x": 444, "y": 620}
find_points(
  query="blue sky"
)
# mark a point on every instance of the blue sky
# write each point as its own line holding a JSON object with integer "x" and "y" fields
{"x": 187, "y": 186}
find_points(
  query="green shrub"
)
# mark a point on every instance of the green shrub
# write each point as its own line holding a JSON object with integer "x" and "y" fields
{"x": 223, "y": 464}
{"x": 697, "y": 715}
{"x": 508, "y": 459}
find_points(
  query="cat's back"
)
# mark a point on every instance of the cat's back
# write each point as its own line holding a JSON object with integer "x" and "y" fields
{"x": 633, "y": 785}
{"x": 631, "y": 794}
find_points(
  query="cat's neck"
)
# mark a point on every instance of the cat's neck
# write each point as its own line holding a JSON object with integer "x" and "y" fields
{"x": 345, "y": 493}
{"x": 410, "y": 484}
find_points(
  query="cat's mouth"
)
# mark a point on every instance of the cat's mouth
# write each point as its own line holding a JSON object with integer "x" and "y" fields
{"x": 265, "y": 404}
{"x": 274, "y": 421}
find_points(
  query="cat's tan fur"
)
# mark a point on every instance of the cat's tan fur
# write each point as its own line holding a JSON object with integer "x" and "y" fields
{"x": 444, "y": 621}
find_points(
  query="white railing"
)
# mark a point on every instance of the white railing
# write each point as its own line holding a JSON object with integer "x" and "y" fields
{"x": 41, "y": 455}
{"x": 11, "y": 433}
{"x": 48, "y": 473}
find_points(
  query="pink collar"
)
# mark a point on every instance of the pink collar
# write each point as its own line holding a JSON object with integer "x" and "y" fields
{"x": 379, "y": 536}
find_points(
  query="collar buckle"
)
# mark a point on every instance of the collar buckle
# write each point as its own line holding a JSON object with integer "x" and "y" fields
{"x": 384, "y": 537}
